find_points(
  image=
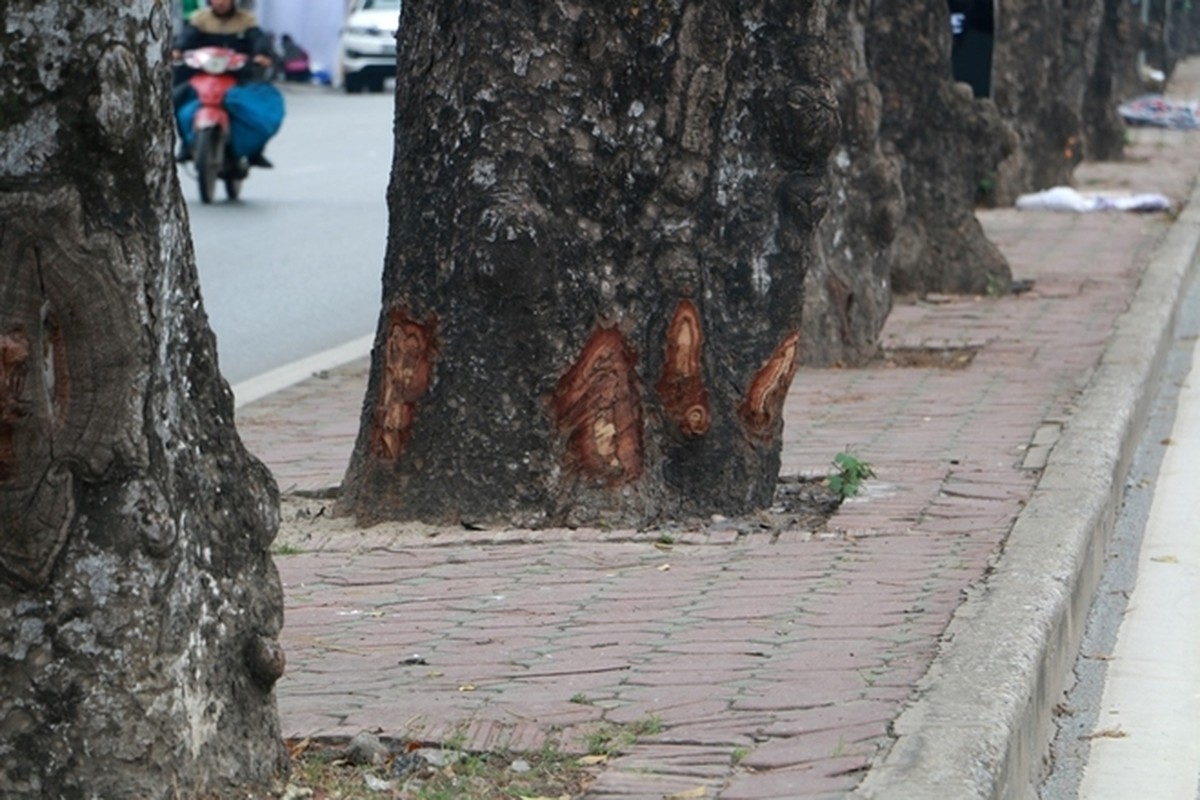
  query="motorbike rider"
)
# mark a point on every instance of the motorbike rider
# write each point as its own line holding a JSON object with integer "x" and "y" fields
{"x": 220, "y": 24}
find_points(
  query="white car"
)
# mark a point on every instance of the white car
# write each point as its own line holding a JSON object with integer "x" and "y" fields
{"x": 368, "y": 44}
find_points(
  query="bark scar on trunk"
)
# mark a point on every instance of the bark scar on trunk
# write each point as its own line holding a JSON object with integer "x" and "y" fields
{"x": 769, "y": 388}
{"x": 14, "y": 357}
{"x": 597, "y": 409}
{"x": 409, "y": 351}
{"x": 54, "y": 367}
{"x": 681, "y": 386}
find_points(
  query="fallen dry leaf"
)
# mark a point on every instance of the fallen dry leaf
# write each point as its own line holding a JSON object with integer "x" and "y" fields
{"x": 297, "y": 746}
{"x": 591, "y": 761}
{"x": 663, "y": 567}
{"x": 699, "y": 791}
{"x": 1165, "y": 559}
{"x": 1108, "y": 733}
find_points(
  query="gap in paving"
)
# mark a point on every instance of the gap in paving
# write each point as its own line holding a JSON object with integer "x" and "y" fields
{"x": 951, "y": 358}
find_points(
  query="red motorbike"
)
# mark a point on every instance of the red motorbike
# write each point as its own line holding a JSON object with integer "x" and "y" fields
{"x": 210, "y": 145}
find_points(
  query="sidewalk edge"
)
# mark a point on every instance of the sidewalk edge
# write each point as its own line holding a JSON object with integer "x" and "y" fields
{"x": 980, "y": 725}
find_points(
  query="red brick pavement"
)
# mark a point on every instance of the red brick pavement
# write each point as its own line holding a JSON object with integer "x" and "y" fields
{"x": 774, "y": 662}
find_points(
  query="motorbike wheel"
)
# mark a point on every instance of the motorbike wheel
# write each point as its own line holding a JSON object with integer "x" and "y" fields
{"x": 208, "y": 161}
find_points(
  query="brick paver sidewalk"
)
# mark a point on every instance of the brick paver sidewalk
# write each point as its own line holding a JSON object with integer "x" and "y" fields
{"x": 773, "y": 660}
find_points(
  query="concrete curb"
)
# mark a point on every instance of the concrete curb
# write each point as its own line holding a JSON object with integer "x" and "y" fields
{"x": 981, "y": 723}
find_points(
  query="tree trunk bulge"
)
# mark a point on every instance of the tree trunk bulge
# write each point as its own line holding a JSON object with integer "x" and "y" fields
{"x": 601, "y": 219}
{"x": 848, "y": 290}
{"x": 138, "y": 602}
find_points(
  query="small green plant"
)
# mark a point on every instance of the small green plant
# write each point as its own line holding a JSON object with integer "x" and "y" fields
{"x": 579, "y": 698}
{"x": 852, "y": 471}
{"x": 738, "y": 754}
{"x": 608, "y": 740}
{"x": 985, "y": 190}
{"x": 285, "y": 549}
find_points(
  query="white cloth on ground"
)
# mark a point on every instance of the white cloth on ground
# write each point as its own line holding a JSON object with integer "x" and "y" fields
{"x": 1064, "y": 198}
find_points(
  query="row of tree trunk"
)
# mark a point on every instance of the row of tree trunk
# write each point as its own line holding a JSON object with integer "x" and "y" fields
{"x": 616, "y": 238}
{"x": 918, "y": 151}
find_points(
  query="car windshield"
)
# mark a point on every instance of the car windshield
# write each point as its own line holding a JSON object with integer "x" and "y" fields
{"x": 380, "y": 5}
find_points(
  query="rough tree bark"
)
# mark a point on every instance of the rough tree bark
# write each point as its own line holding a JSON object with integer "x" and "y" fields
{"x": 601, "y": 218}
{"x": 1112, "y": 79}
{"x": 848, "y": 291}
{"x": 138, "y": 601}
{"x": 946, "y": 142}
{"x": 1039, "y": 81}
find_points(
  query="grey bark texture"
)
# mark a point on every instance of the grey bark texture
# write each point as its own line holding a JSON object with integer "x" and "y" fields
{"x": 139, "y": 605}
{"x": 1040, "y": 74}
{"x": 848, "y": 290}
{"x": 945, "y": 143}
{"x": 1113, "y": 79}
{"x": 601, "y": 219}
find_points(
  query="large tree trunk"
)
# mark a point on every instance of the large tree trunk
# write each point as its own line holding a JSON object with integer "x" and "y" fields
{"x": 138, "y": 601}
{"x": 848, "y": 291}
{"x": 946, "y": 143}
{"x": 601, "y": 218}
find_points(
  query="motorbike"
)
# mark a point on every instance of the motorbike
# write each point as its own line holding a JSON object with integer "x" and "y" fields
{"x": 211, "y": 143}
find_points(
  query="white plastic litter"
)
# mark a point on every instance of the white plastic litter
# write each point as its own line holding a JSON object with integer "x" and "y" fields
{"x": 1064, "y": 198}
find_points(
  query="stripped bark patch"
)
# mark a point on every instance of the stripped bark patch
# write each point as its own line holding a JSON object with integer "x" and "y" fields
{"x": 769, "y": 388}
{"x": 597, "y": 409}
{"x": 408, "y": 371}
{"x": 681, "y": 386}
{"x": 14, "y": 357}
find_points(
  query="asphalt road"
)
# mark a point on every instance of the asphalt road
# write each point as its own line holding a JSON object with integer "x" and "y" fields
{"x": 293, "y": 268}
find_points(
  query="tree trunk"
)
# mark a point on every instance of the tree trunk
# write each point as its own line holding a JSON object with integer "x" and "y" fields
{"x": 1040, "y": 79}
{"x": 848, "y": 291}
{"x": 1112, "y": 79}
{"x": 601, "y": 218}
{"x": 138, "y": 601}
{"x": 947, "y": 144}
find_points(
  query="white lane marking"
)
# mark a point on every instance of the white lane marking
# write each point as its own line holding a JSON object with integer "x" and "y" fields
{"x": 280, "y": 378}
{"x": 1147, "y": 737}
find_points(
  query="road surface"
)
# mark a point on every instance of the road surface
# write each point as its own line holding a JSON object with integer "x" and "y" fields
{"x": 1130, "y": 726}
{"x": 293, "y": 268}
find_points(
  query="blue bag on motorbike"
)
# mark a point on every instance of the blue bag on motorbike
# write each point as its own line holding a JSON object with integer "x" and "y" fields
{"x": 256, "y": 112}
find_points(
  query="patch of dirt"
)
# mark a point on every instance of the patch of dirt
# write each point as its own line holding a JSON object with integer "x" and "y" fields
{"x": 927, "y": 357}
{"x": 307, "y": 522}
{"x": 326, "y": 770}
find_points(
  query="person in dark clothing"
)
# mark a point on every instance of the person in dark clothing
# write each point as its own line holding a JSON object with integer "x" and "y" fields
{"x": 221, "y": 24}
{"x": 972, "y": 26}
{"x": 295, "y": 61}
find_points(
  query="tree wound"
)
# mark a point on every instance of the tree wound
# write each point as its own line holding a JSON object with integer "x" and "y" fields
{"x": 681, "y": 386}
{"x": 14, "y": 358}
{"x": 769, "y": 388}
{"x": 597, "y": 409}
{"x": 408, "y": 371}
